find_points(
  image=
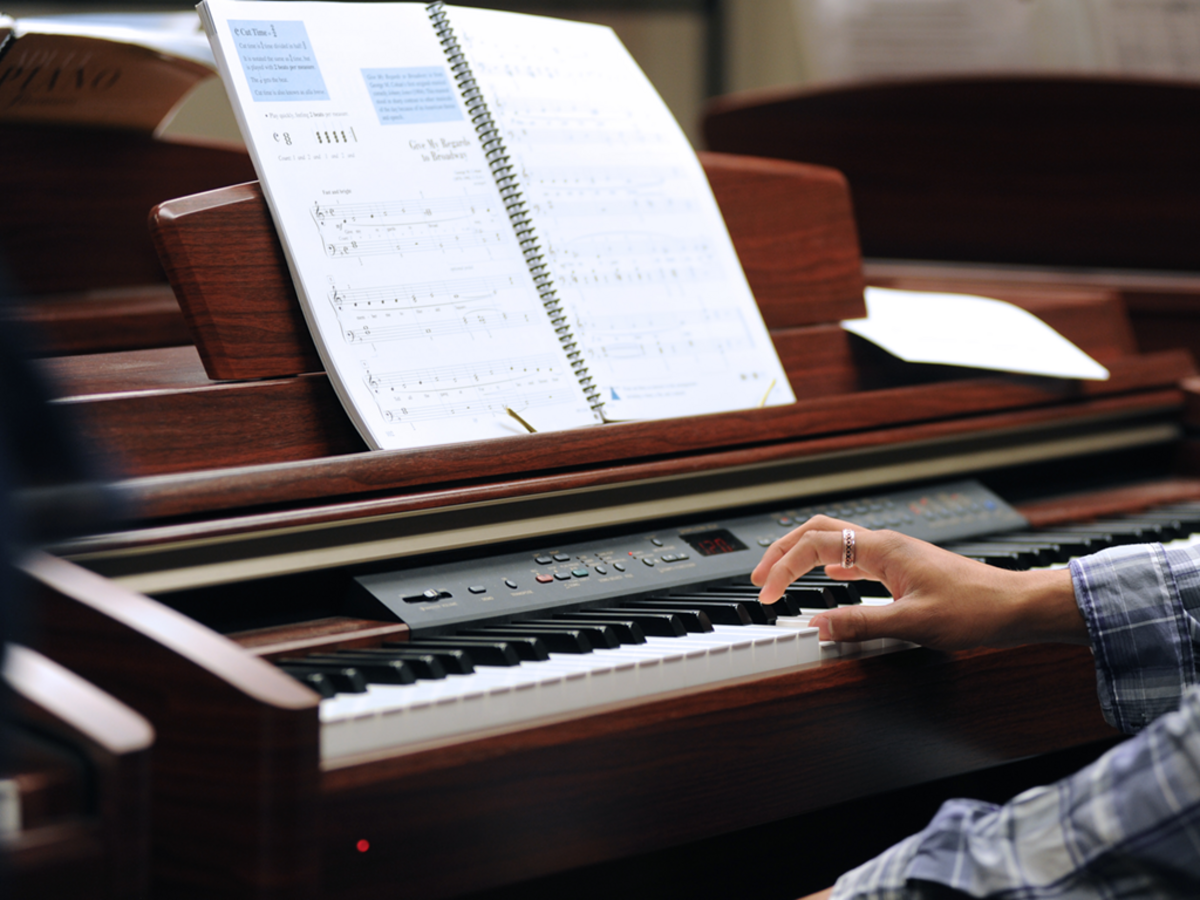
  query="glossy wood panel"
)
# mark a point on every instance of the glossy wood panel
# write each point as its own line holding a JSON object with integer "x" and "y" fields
{"x": 74, "y": 236}
{"x": 638, "y": 779}
{"x": 157, "y": 412}
{"x": 76, "y": 202}
{"x": 82, "y": 765}
{"x": 1053, "y": 170}
{"x": 235, "y": 764}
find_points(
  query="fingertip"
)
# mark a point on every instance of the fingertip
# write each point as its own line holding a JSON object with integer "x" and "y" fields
{"x": 824, "y": 626}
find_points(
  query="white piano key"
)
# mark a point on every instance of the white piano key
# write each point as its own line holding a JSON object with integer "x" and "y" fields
{"x": 395, "y": 715}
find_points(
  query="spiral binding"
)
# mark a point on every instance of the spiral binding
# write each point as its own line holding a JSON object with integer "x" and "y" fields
{"x": 511, "y": 195}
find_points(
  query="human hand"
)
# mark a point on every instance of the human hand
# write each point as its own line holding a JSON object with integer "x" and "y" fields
{"x": 942, "y": 600}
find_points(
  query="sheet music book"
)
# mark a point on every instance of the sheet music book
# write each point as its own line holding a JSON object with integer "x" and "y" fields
{"x": 487, "y": 211}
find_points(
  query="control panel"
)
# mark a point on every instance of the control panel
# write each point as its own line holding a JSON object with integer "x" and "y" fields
{"x": 638, "y": 564}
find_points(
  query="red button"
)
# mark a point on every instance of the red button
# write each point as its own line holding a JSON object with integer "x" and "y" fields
{"x": 545, "y": 579}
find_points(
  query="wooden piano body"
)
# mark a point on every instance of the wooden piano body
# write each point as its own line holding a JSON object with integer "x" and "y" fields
{"x": 78, "y": 765}
{"x": 250, "y": 498}
{"x": 73, "y": 230}
{"x": 998, "y": 180}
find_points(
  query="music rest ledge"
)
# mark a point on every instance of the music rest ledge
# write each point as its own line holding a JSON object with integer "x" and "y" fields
{"x": 250, "y": 496}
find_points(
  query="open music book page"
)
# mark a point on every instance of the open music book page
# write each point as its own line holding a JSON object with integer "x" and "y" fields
{"x": 413, "y": 283}
{"x": 637, "y": 249}
{"x": 457, "y": 287}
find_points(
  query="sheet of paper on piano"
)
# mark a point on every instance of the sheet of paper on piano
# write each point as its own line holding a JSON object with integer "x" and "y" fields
{"x": 965, "y": 330}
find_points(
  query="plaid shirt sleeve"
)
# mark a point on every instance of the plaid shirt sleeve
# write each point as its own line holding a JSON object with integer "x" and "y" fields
{"x": 1127, "y": 826}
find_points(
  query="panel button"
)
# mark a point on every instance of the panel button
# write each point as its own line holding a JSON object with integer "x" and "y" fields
{"x": 619, "y": 566}
{"x": 545, "y": 579}
{"x": 562, "y": 576}
{"x": 656, "y": 542}
{"x": 430, "y": 596}
{"x": 648, "y": 560}
{"x": 509, "y": 583}
{"x": 580, "y": 573}
{"x": 561, "y": 557}
{"x": 477, "y": 589}
{"x": 600, "y": 570}
{"x": 543, "y": 560}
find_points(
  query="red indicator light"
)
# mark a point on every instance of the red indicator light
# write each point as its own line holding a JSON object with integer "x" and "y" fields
{"x": 363, "y": 845}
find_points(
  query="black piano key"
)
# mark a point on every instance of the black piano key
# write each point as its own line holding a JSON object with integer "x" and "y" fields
{"x": 1188, "y": 515}
{"x": 345, "y": 679}
{"x": 527, "y": 648}
{"x": 837, "y": 593}
{"x": 627, "y": 630}
{"x": 998, "y": 556}
{"x": 482, "y": 652}
{"x": 598, "y": 635}
{"x": 759, "y": 614}
{"x": 383, "y": 671}
{"x": 569, "y": 640}
{"x": 1009, "y": 555}
{"x": 1113, "y": 534}
{"x": 655, "y": 624}
{"x": 454, "y": 662}
{"x": 1169, "y": 527}
{"x": 318, "y": 681}
{"x": 1041, "y": 553}
{"x": 814, "y": 597}
{"x": 1068, "y": 545}
{"x": 785, "y": 606}
{"x": 425, "y": 666}
{"x": 721, "y": 612}
{"x": 695, "y": 617}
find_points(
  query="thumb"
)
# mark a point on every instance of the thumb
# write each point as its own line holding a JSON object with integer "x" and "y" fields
{"x": 854, "y": 623}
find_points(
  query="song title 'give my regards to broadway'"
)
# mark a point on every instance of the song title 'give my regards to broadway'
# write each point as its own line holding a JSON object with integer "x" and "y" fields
{"x": 441, "y": 149}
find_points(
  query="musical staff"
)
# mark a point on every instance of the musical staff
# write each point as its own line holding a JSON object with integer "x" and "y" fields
{"x": 471, "y": 389}
{"x": 419, "y": 296}
{"x": 475, "y": 321}
{"x": 595, "y": 203}
{"x": 444, "y": 224}
{"x": 365, "y": 245}
{"x": 619, "y": 277}
{"x": 413, "y": 211}
{"x": 630, "y": 178}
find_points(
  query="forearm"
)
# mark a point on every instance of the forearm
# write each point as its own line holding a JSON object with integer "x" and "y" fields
{"x": 1120, "y": 828}
{"x": 1139, "y": 603}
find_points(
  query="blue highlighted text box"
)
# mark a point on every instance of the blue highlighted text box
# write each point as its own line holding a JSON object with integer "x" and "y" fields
{"x": 412, "y": 96}
{"x": 278, "y": 60}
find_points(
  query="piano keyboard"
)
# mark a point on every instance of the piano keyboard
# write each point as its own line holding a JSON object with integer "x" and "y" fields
{"x": 688, "y": 651}
{"x": 552, "y": 663}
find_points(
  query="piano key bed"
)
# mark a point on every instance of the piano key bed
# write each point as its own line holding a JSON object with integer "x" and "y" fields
{"x": 567, "y": 657}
